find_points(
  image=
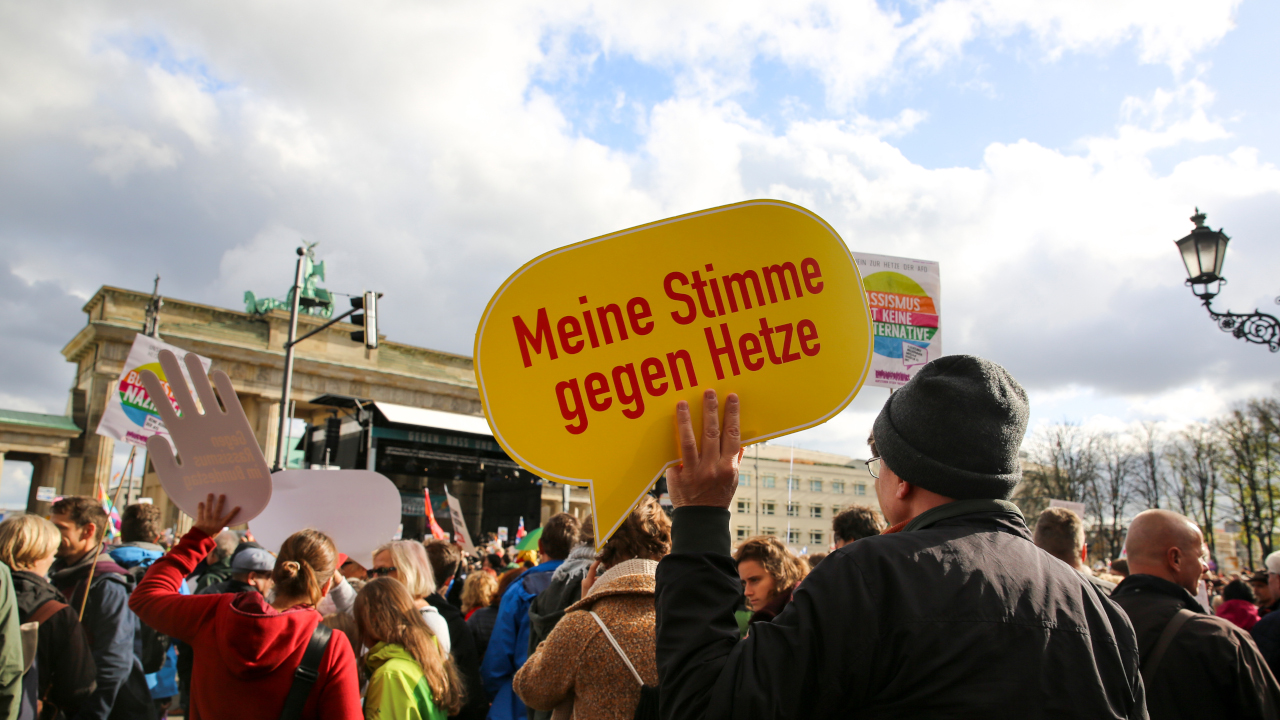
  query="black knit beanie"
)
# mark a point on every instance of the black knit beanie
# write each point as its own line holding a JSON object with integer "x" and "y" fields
{"x": 955, "y": 429}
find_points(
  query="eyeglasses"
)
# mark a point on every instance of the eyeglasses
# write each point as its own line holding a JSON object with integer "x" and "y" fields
{"x": 873, "y": 466}
{"x": 382, "y": 571}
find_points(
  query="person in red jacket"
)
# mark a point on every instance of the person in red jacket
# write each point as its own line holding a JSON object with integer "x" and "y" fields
{"x": 246, "y": 649}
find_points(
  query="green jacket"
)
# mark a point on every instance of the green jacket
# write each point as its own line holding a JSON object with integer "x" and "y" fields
{"x": 398, "y": 690}
{"x": 11, "y": 642}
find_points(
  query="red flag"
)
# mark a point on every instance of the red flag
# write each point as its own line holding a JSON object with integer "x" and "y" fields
{"x": 436, "y": 531}
{"x": 520, "y": 531}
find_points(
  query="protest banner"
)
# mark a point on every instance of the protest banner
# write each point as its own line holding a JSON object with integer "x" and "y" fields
{"x": 217, "y": 450}
{"x": 460, "y": 534}
{"x": 358, "y": 509}
{"x": 582, "y": 354}
{"x": 130, "y": 416}
{"x": 905, "y": 300}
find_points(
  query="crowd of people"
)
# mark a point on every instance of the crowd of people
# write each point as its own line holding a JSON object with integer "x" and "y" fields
{"x": 946, "y": 602}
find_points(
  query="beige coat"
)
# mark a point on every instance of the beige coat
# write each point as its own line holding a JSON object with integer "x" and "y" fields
{"x": 577, "y": 662}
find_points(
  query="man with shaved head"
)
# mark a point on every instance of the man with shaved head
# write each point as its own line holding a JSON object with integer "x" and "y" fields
{"x": 1194, "y": 665}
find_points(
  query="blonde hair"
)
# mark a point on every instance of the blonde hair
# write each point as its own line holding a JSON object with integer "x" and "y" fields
{"x": 412, "y": 567}
{"x": 478, "y": 591}
{"x": 385, "y": 612}
{"x": 26, "y": 540}
{"x": 306, "y": 562}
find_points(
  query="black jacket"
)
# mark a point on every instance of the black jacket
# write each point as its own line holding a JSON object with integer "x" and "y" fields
{"x": 959, "y": 615}
{"x": 65, "y": 662}
{"x": 465, "y": 657}
{"x": 1266, "y": 633}
{"x": 1212, "y": 668}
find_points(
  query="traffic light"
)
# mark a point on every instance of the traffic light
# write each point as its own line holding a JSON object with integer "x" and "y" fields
{"x": 369, "y": 319}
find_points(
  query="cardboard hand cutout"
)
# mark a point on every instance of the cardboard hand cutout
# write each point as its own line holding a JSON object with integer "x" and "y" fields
{"x": 217, "y": 451}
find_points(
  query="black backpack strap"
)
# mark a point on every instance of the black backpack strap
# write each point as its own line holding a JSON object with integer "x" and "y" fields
{"x": 1166, "y": 637}
{"x": 308, "y": 672}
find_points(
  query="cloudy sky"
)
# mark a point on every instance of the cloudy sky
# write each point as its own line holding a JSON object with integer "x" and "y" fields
{"x": 1046, "y": 152}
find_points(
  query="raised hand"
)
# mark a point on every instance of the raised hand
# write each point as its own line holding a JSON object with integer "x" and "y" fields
{"x": 216, "y": 448}
{"x": 707, "y": 475}
{"x": 210, "y": 519}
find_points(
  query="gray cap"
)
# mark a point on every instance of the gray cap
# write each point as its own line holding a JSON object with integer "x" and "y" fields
{"x": 253, "y": 560}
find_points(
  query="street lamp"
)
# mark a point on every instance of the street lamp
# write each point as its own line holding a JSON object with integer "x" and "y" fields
{"x": 1203, "y": 252}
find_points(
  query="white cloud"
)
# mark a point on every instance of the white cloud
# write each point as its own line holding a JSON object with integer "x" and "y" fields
{"x": 419, "y": 144}
{"x": 123, "y": 150}
{"x": 180, "y": 100}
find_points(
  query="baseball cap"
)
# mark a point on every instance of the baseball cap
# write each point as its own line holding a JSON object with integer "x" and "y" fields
{"x": 1273, "y": 563}
{"x": 253, "y": 560}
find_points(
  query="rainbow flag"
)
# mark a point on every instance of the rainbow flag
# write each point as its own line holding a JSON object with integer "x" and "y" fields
{"x": 113, "y": 515}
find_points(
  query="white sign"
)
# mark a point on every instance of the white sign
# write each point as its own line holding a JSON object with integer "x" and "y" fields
{"x": 1075, "y": 507}
{"x": 460, "y": 533}
{"x": 904, "y": 296}
{"x": 46, "y": 494}
{"x": 144, "y": 501}
{"x": 502, "y": 534}
{"x": 130, "y": 416}
{"x": 358, "y": 509}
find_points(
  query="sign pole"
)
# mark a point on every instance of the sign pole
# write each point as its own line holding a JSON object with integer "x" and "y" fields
{"x": 102, "y": 538}
{"x": 288, "y": 361}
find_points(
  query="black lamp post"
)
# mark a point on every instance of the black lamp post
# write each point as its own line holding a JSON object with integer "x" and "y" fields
{"x": 1203, "y": 252}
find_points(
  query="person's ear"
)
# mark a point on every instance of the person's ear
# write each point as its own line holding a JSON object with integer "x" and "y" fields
{"x": 328, "y": 585}
{"x": 88, "y": 530}
{"x": 1173, "y": 557}
{"x": 1084, "y": 555}
{"x": 903, "y": 490}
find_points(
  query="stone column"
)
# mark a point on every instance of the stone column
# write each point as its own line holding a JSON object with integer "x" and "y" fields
{"x": 49, "y": 474}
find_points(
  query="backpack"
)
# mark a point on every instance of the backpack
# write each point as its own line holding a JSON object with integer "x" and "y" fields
{"x": 151, "y": 645}
{"x": 31, "y": 700}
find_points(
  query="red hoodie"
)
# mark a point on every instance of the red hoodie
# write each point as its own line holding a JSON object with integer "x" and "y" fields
{"x": 1241, "y": 612}
{"x": 245, "y": 650}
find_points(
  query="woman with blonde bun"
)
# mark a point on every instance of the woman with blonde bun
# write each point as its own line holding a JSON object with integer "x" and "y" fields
{"x": 246, "y": 648}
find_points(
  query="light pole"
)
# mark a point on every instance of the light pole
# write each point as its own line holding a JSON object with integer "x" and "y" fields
{"x": 366, "y": 303}
{"x": 1203, "y": 252}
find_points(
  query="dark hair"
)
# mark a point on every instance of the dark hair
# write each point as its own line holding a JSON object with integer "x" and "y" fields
{"x": 559, "y": 536}
{"x": 140, "y": 523}
{"x": 857, "y": 522}
{"x": 1120, "y": 566}
{"x": 786, "y": 569}
{"x": 1060, "y": 532}
{"x": 816, "y": 558}
{"x": 645, "y": 534}
{"x": 385, "y": 612}
{"x": 496, "y": 562}
{"x": 1239, "y": 590}
{"x": 305, "y": 563}
{"x": 82, "y": 511}
{"x": 445, "y": 559}
{"x": 504, "y": 582}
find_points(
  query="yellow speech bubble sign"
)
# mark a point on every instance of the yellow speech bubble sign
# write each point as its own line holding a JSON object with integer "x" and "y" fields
{"x": 582, "y": 354}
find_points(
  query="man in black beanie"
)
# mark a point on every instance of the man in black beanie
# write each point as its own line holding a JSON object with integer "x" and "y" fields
{"x": 952, "y": 612}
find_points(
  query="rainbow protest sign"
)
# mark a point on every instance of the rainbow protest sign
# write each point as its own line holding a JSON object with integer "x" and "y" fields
{"x": 905, "y": 302}
{"x": 130, "y": 415}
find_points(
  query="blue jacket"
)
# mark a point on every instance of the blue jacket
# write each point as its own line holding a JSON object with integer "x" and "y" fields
{"x": 509, "y": 643}
{"x": 164, "y": 683}
{"x": 110, "y": 626}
